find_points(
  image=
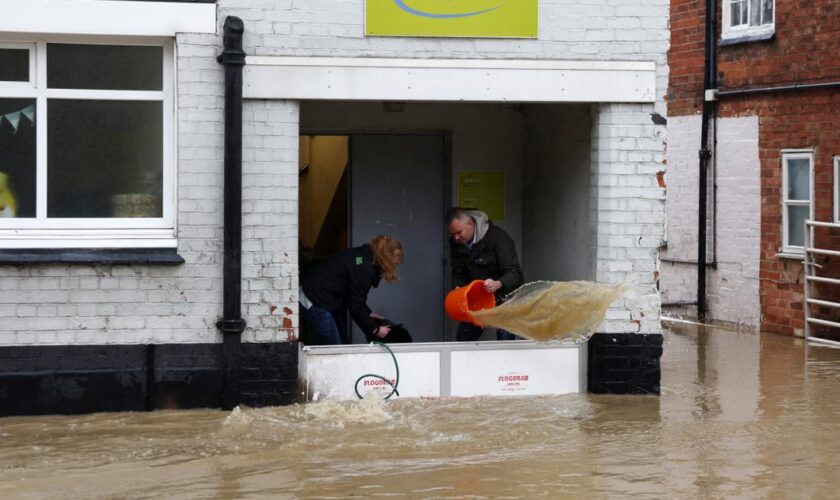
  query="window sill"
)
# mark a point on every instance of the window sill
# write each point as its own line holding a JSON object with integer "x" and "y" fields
{"x": 151, "y": 256}
{"x": 790, "y": 255}
{"x": 739, "y": 39}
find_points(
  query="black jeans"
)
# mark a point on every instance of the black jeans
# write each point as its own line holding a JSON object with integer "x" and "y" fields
{"x": 468, "y": 332}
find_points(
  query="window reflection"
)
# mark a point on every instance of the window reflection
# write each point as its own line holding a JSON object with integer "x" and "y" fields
{"x": 17, "y": 158}
{"x": 105, "y": 157}
{"x": 14, "y": 65}
{"x": 112, "y": 67}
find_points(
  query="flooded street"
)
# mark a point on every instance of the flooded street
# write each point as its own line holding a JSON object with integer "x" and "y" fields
{"x": 740, "y": 415}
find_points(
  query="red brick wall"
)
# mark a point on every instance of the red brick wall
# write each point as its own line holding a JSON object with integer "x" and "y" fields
{"x": 806, "y": 49}
{"x": 685, "y": 57}
{"x": 792, "y": 120}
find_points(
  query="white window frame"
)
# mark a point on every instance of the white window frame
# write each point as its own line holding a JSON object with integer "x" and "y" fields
{"x": 42, "y": 232}
{"x": 744, "y": 30}
{"x": 837, "y": 189}
{"x": 795, "y": 154}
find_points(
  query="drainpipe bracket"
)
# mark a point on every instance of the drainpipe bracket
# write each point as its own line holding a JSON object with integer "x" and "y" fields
{"x": 231, "y": 326}
{"x": 230, "y": 57}
{"x": 704, "y": 153}
{"x": 711, "y": 95}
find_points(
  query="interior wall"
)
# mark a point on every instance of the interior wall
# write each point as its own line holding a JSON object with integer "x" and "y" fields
{"x": 557, "y": 233}
{"x": 484, "y": 137}
{"x": 322, "y": 162}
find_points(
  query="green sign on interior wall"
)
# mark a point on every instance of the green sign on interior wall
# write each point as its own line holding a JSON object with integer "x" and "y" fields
{"x": 451, "y": 18}
{"x": 483, "y": 190}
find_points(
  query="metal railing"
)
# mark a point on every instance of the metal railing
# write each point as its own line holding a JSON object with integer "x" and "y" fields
{"x": 811, "y": 267}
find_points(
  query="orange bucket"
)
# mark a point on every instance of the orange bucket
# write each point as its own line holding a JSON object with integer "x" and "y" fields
{"x": 462, "y": 300}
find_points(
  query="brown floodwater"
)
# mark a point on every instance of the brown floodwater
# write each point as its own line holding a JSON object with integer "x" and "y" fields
{"x": 740, "y": 416}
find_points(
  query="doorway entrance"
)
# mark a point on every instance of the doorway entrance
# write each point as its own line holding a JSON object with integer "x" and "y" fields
{"x": 354, "y": 187}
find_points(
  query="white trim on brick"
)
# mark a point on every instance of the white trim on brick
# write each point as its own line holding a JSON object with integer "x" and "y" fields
{"x": 836, "y": 198}
{"x": 795, "y": 154}
{"x": 744, "y": 29}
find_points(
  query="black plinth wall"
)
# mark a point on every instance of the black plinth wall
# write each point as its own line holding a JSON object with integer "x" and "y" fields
{"x": 37, "y": 380}
{"x": 624, "y": 363}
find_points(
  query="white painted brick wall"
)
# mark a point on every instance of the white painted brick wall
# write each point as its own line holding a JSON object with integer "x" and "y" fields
{"x": 732, "y": 287}
{"x": 628, "y": 207}
{"x": 270, "y": 220}
{"x": 56, "y": 304}
{"x": 102, "y": 304}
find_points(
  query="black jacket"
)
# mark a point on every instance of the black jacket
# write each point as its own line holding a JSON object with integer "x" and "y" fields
{"x": 493, "y": 256}
{"x": 342, "y": 283}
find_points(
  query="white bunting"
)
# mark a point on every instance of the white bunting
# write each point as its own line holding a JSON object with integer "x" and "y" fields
{"x": 13, "y": 119}
{"x": 29, "y": 113}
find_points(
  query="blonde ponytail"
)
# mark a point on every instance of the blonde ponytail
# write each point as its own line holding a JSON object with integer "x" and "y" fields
{"x": 383, "y": 248}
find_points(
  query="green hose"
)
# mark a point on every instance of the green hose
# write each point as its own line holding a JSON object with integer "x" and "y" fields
{"x": 380, "y": 377}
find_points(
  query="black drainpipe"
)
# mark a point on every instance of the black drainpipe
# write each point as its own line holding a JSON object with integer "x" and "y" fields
{"x": 709, "y": 82}
{"x": 232, "y": 325}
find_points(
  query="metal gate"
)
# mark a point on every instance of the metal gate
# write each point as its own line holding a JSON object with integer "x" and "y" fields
{"x": 812, "y": 268}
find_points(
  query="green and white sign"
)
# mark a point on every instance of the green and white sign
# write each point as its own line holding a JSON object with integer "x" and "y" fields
{"x": 452, "y": 18}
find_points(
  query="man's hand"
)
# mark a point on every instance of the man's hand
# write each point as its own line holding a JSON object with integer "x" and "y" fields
{"x": 490, "y": 286}
{"x": 383, "y": 331}
{"x": 376, "y": 316}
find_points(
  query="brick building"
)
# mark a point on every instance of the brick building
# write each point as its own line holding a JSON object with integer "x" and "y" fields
{"x": 113, "y": 261}
{"x": 775, "y": 144}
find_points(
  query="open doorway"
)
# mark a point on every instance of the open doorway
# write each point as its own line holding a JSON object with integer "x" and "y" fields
{"x": 539, "y": 153}
{"x": 355, "y": 187}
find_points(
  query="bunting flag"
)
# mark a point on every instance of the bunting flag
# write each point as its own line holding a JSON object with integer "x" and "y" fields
{"x": 14, "y": 117}
{"x": 29, "y": 113}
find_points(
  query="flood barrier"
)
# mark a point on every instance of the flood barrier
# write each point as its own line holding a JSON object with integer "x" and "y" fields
{"x": 443, "y": 369}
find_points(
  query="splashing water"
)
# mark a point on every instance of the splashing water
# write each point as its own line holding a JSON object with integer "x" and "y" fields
{"x": 370, "y": 410}
{"x": 545, "y": 310}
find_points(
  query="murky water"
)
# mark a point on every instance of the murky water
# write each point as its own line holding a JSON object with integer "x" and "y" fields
{"x": 740, "y": 416}
{"x": 543, "y": 310}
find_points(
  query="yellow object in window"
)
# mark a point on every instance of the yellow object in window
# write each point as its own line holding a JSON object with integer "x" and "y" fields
{"x": 8, "y": 204}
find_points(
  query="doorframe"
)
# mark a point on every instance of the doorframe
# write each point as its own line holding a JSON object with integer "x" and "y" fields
{"x": 446, "y": 135}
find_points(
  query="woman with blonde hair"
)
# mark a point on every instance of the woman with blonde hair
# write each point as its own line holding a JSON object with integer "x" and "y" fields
{"x": 341, "y": 284}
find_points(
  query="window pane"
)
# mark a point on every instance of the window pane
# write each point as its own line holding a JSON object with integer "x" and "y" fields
{"x": 105, "y": 158}
{"x": 755, "y": 12}
{"x": 767, "y": 16}
{"x": 17, "y": 158}
{"x": 104, "y": 67}
{"x": 14, "y": 65}
{"x": 799, "y": 179}
{"x": 796, "y": 225}
{"x": 735, "y": 13}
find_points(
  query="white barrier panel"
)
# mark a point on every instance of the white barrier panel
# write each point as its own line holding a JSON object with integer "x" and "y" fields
{"x": 452, "y": 369}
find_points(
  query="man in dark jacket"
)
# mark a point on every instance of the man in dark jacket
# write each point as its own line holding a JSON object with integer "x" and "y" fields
{"x": 480, "y": 250}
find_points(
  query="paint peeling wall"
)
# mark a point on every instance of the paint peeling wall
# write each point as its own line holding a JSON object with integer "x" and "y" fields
{"x": 734, "y": 248}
